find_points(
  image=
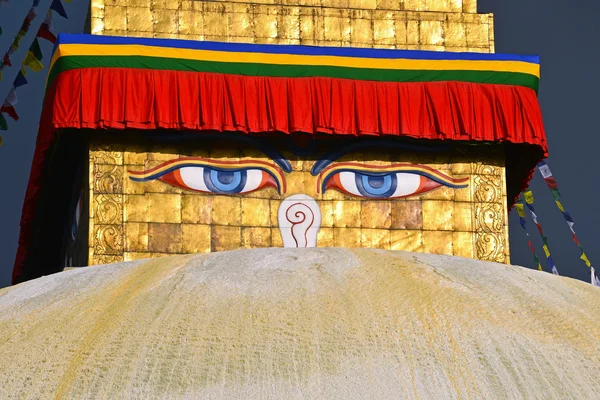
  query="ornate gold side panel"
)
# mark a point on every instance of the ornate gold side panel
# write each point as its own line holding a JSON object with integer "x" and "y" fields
{"x": 444, "y": 25}
{"x": 132, "y": 219}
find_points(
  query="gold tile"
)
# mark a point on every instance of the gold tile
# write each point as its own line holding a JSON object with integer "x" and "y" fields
{"x": 462, "y": 243}
{"x": 376, "y": 214}
{"x": 437, "y": 242}
{"x": 478, "y": 35}
{"x": 256, "y": 212}
{"x": 226, "y": 210}
{"x": 276, "y": 239}
{"x": 164, "y": 207}
{"x": 346, "y": 214}
{"x": 164, "y": 238}
{"x": 325, "y": 237}
{"x": 196, "y": 209}
{"x": 132, "y": 158}
{"x": 406, "y": 215}
{"x": 432, "y": 32}
{"x": 136, "y": 237}
{"x": 415, "y": 5}
{"x": 167, "y": 4}
{"x": 240, "y": 24}
{"x": 347, "y": 237}
{"x": 97, "y": 26}
{"x": 165, "y": 21}
{"x": 412, "y": 32}
{"x": 406, "y": 240}
{"x": 463, "y": 194}
{"x": 225, "y": 238}
{"x": 288, "y": 26}
{"x": 195, "y": 238}
{"x": 361, "y": 31}
{"x": 463, "y": 217}
{"x": 135, "y": 208}
{"x": 455, "y": 35}
{"x": 438, "y": 215}
{"x": 384, "y": 31}
{"x": 274, "y": 207}
{"x": 265, "y": 25}
{"x": 327, "y": 213}
{"x": 255, "y": 237}
{"x": 115, "y": 18}
{"x": 139, "y": 19}
{"x": 376, "y": 238}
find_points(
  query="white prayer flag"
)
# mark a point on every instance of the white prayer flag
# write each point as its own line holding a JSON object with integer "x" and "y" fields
{"x": 554, "y": 270}
{"x": 11, "y": 99}
{"x": 534, "y": 217}
{"x": 545, "y": 171}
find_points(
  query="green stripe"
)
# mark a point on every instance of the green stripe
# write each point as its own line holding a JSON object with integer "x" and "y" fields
{"x": 292, "y": 71}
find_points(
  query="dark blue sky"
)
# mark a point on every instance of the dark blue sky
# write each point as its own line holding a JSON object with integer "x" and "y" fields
{"x": 564, "y": 34}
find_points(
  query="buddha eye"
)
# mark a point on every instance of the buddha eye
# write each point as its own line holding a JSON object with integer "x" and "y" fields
{"x": 219, "y": 181}
{"x": 390, "y": 183}
{"x": 227, "y": 178}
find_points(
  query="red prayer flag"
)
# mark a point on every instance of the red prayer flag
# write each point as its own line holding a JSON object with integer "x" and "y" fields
{"x": 10, "y": 110}
{"x": 45, "y": 33}
{"x": 551, "y": 183}
{"x": 6, "y": 60}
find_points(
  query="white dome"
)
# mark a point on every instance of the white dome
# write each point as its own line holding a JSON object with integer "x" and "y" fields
{"x": 301, "y": 324}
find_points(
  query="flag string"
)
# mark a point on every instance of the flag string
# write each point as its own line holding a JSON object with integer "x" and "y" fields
{"x": 529, "y": 200}
{"x": 33, "y": 57}
{"x": 522, "y": 219}
{"x": 553, "y": 186}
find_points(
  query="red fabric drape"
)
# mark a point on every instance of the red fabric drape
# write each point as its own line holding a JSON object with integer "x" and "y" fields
{"x": 103, "y": 98}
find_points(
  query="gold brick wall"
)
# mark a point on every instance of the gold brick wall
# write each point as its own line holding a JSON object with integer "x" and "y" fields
{"x": 444, "y": 25}
{"x": 131, "y": 220}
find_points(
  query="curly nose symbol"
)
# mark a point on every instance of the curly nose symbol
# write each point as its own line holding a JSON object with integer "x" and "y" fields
{"x": 299, "y": 221}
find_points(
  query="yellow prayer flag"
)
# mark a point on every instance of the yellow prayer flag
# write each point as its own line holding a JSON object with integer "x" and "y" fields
{"x": 584, "y": 258}
{"x": 528, "y": 196}
{"x": 540, "y": 267}
{"x": 33, "y": 62}
{"x": 520, "y": 210}
{"x": 23, "y": 70}
{"x": 547, "y": 251}
{"x": 560, "y": 206}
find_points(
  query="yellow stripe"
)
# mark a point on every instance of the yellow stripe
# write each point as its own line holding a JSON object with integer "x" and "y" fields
{"x": 293, "y": 59}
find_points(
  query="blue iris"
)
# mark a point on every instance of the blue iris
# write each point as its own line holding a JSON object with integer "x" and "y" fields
{"x": 224, "y": 181}
{"x": 378, "y": 185}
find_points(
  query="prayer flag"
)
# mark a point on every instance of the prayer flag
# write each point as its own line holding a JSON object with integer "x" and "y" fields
{"x": 555, "y": 271}
{"x": 20, "y": 80}
{"x": 585, "y": 259}
{"x": 555, "y": 194}
{"x": 528, "y": 196}
{"x": 551, "y": 183}
{"x": 546, "y": 251}
{"x": 45, "y": 33}
{"x": 6, "y": 60}
{"x": 520, "y": 210}
{"x": 544, "y": 170}
{"x": 58, "y": 7}
{"x": 32, "y": 62}
{"x": 560, "y": 206}
{"x": 3, "y": 123}
{"x": 10, "y": 111}
{"x": 36, "y": 50}
{"x": 11, "y": 98}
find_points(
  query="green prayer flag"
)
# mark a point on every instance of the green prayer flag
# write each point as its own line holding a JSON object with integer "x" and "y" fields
{"x": 3, "y": 123}
{"x": 555, "y": 194}
{"x": 545, "y": 240}
{"x": 36, "y": 50}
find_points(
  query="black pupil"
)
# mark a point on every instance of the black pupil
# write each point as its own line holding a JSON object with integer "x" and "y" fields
{"x": 376, "y": 181}
{"x": 225, "y": 177}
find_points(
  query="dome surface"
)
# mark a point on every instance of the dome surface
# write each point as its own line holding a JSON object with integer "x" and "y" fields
{"x": 301, "y": 324}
